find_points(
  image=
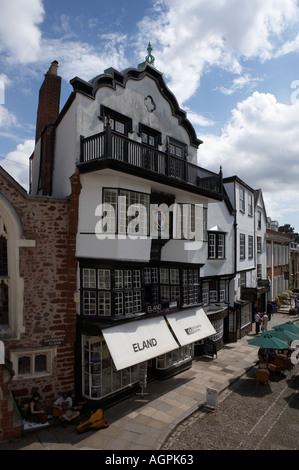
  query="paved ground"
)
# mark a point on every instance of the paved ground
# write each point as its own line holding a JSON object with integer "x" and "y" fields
{"x": 145, "y": 423}
{"x": 248, "y": 417}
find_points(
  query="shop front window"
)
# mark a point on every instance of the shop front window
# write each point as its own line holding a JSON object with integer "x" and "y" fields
{"x": 174, "y": 357}
{"x": 100, "y": 378}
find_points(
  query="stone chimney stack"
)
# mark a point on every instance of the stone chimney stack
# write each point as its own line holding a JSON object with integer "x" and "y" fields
{"x": 47, "y": 114}
{"x": 49, "y": 100}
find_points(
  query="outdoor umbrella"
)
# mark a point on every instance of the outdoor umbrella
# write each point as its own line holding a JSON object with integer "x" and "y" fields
{"x": 282, "y": 334}
{"x": 289, "y": 326}
{"x": 268, "y": 341}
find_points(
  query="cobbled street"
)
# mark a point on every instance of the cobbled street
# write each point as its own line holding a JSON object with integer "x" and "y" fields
{"x": 247, "y": 418}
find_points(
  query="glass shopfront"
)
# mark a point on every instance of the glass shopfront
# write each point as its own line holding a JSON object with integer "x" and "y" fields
{"x": 175, "y": 357}
{"x": 100, "y": 378}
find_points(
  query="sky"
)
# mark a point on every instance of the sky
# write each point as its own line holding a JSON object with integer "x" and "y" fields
{"x": 233, "y": 66}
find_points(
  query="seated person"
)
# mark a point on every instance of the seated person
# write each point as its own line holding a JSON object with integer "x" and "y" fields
{"x": 34, "y": 413}
{"x": 271, "y": 355}
{"x": 263, "y": 353}
{"x": 63, "y": 407}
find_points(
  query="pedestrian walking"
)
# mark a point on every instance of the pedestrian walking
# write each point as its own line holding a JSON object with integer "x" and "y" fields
{"x": 265, "y": 321}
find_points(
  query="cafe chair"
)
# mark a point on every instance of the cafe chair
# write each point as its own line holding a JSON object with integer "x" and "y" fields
{"x": 261, "y": 376}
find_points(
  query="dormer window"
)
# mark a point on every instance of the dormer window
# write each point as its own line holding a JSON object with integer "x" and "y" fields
{"x": 150, "y": 136}
{"x": 176, "y": 148}
{"x": 119, "y": 122}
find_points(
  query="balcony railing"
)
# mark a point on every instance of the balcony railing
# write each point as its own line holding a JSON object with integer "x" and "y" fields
{"x": 109, "y": 145}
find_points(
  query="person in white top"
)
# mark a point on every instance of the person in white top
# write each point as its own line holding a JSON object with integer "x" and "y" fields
{"x": 265, "y": 321}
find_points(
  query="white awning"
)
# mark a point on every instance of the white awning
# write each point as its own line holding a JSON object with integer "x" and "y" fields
{"x": 138, "y": 341}
{"x": 190, "y": 325}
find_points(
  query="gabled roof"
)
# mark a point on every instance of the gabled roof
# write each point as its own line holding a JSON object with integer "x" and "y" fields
{"x": 111, "y": 78}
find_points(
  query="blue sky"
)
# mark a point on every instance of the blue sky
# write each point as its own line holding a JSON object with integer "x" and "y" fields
{"x": 233, "y": 65}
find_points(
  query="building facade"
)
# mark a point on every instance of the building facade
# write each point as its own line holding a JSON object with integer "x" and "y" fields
{"x": 37, "y": 308}
{"x": 278, "y": 258}
{"x": 142, "y": 236}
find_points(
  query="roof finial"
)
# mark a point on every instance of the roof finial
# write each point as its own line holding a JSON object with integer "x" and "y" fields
{"x": 150, "y": 59}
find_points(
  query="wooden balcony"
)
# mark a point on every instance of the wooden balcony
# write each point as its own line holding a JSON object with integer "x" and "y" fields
{"x": 111, "y": 150}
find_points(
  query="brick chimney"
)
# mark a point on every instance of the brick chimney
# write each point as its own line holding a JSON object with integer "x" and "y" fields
{"x": 47, "y": 113}
{"x": 49, "y": 100}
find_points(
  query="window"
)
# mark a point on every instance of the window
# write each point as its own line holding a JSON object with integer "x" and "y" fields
{"x": 191, "y": 222}
{"x": 242, "y": 200}
{"x": 3, "y": 255}
{"x": 32, "y": 362}
{"x": 259, "y": 220}
{"x": 99, "y": 377}
{"x": 216, "y": 249}
{"x": 126, "y": 212}
{"x": 176, "y": 148}
{"x": 242, "y": 246}
{"x": 250, "y": 246}
{"x": 100, "y": 286}
{"x": 250, "y": 204}
{"x": 3, "y": 303}
{"x": 243, "y": 279}
{"x": 259, "y": 244}
{"x": 11, "y": 284}
{"x": 222, "y": 291}
{"x": 3, "y": 277}
{"x": 259, "y": 271}
{"x": 150, "y": 136}
{"x": 191, "y": 287}
{"x": 174, "y": 357}
{"x": 119, "y": 123}
{"x": 205, "y": 293}
{"x": 177, "y": 152}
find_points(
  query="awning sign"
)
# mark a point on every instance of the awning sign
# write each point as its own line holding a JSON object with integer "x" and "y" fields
{"x": 138, "y": 341}
{"x": 190, "y": 325}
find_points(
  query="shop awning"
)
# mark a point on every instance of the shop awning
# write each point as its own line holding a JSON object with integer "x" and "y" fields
{"x": 190, "y": 325}
{"x": 138, "y": 341}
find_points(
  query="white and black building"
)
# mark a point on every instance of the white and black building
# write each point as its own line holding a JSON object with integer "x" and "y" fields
{"x": 142, "y": 237}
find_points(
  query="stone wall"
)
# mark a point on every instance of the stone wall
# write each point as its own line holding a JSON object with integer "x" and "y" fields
{"x": 50, "y": 281}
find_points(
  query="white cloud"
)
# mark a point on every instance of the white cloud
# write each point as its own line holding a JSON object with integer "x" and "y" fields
{"x": 16, "y": 163}
{"x": 82, "y": 59}
{"x": 19, "y": 32}
{"x": 260, "y": 145}
{"x": 7, "y": 119}
{"x": 198, "y": 119}
{"x": 199, "y": 34}
{"x": 239, "y": 83}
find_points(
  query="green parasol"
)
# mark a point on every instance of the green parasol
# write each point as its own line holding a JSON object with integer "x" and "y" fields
{"x": 289, "y": 326}
{"x": 282, "y": 334}
{"x": 268, "y": 341}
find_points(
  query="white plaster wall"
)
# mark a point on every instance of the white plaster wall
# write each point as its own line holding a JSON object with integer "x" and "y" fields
{"x": 89, "y": 246}
{"x": 219, "y": 215}
{"x": 67, "y": 151}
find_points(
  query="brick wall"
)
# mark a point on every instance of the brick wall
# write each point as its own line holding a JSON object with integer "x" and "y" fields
{"x": 50, "y": 281}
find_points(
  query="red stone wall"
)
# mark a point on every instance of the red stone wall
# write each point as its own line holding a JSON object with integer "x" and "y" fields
{"x": 50, "y": 281}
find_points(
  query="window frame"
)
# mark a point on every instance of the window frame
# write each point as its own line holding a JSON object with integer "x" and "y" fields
{"x": 216, "y": 249}
{"x": 32, "y": 354}
{"x": 242, "y": 246}
{"x": 250, "y": 247}
{"x": 242, "y": 200}
{"x": 120, "y": 224}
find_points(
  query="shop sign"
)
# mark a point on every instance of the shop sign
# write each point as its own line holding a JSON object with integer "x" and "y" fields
{"x": 53, "y": 341}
